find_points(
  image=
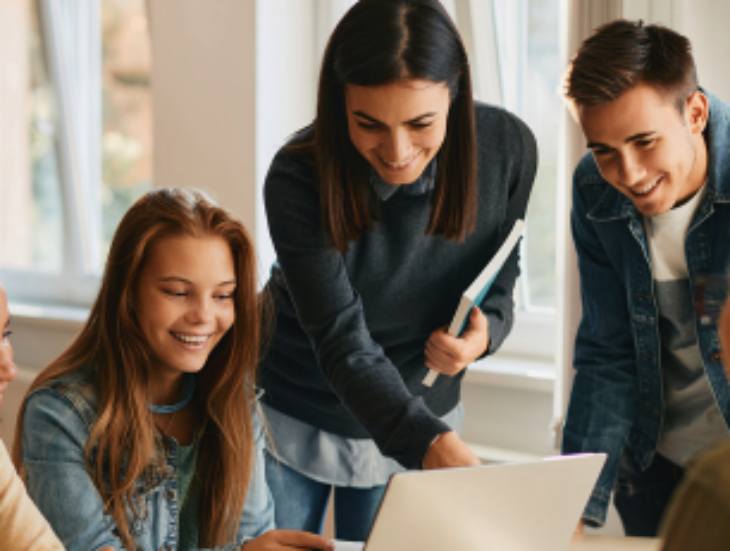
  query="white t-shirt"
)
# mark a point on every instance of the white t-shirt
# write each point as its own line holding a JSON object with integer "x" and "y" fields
{"x": 692, "y": 418}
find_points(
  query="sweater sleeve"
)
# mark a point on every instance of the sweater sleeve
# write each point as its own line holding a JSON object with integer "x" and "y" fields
{"x": 22, "y": 527}
{"x": 603, "y": 399}
{"x": 521, "y": 149}
{"x": 331, "y": 313}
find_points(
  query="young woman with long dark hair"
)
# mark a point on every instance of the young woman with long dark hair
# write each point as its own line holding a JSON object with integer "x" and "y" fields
{"x": 143, "y": 433}
{"x": 382, "y": 213}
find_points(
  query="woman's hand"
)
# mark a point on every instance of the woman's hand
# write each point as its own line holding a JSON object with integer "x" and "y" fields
{"x": 286, "y": 540}
{"x": 449, "y": 451}
{"x": 449, "y": 355}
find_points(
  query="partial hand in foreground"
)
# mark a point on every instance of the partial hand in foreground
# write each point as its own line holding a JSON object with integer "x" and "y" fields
{"x": 580, "y": 527}
{"x": 286, "y": 540}
{"x": 449, "y": 451}
{"x": 449, "y": 355}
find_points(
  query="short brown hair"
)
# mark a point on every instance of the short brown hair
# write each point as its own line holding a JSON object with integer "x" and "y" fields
{"x": 622, "y": 54}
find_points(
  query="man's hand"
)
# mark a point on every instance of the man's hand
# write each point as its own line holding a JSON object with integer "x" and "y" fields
{"x": 287, "y": 540}
{"x": 449, "y": 451}
{"x": 449, "y": 355}
{"x": 579, "y": 529}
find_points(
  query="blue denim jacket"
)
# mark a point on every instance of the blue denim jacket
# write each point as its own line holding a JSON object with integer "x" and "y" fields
{"x": 617, "y": 401}
{"x": 56, "y": 426}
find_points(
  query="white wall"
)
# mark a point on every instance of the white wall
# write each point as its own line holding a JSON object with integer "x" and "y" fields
{"x": 204, "y": 98}
{"x": 705, "y": 23}
{"x": 285, "y": 91}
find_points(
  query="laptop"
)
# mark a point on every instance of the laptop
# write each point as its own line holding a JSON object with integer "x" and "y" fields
{"x": 510, "y": 507}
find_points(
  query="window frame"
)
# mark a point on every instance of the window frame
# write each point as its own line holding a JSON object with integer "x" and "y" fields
{"x": 537, "y": 325}
{"x": 71, "y": 37}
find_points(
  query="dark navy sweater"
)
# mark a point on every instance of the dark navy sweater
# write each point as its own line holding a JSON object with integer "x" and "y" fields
{"x": 347, "y": 355}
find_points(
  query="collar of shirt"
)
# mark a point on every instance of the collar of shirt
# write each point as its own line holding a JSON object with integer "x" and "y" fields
{"x": 422, "y": 185}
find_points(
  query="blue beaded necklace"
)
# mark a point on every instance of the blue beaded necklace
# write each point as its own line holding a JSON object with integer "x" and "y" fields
{"x": 188, "y": 392}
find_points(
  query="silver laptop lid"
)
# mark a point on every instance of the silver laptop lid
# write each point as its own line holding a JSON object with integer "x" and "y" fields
{"x": 514, "y": 507}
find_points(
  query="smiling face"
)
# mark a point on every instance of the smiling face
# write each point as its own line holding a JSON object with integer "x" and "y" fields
{"x": 8, "y": 370}
{"x": 185, "y": 297}
{"x": 398, "y": 127}
{"x": 647, "y": 149}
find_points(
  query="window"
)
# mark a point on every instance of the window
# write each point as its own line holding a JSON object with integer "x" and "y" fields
{"x": 518, "y": 53}
{"x": 75, "y": 108}
{"x": 514, "y": 51}
{"x": 31, "y": 217}
{"x": 531, "y": 80}
{"x": 127, "y": 108}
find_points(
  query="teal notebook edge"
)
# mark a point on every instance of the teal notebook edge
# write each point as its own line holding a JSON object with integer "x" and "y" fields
{"x": 478, "y": 301}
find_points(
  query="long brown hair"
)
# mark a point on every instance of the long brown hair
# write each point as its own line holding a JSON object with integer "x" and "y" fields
{"x": 378, "y": 42}
{"x": 124, "y": 434}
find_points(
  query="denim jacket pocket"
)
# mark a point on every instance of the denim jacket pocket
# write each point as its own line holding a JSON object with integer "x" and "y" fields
{"x": 141, "y": 514}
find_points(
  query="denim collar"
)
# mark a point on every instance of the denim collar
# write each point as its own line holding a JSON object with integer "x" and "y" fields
{"x": 614, "y": 205}
{"x": 421, "y": 186}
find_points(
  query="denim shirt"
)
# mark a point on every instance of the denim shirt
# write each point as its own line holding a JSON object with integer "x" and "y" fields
{"x": 617, "y": 400}
{"x": 56, "y": 426}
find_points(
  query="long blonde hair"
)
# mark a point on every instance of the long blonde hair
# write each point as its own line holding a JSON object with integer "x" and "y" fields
{"x": 123, "y": 435}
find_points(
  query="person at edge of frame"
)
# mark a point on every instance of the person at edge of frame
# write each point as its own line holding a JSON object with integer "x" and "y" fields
{"x": 22, "y": 526}
{"x": 650, "y": 220}
{"x": 697, "y": 516}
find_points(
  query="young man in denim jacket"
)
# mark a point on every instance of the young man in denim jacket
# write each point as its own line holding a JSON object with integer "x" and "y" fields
{"x": 651, "y": 223}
